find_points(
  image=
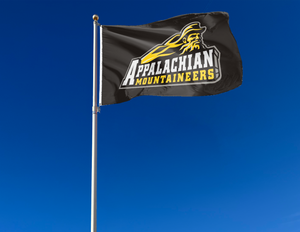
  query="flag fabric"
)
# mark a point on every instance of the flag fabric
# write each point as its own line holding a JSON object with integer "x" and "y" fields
{"x": 187, "y": 55}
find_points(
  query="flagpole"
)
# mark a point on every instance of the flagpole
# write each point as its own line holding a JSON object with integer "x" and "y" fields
{"x": 94, "y": 129}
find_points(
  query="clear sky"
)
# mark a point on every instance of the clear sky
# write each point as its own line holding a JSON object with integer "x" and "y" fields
{"x": 224, "y": 163}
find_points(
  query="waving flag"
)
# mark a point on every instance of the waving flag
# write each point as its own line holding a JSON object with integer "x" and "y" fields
{"x": 188, "y": 55}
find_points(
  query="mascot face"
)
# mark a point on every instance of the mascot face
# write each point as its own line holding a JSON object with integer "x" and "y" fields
{"x": 191, "y": 42}
{"x": 192, "y": 37}
{"x": 189, "y": 39}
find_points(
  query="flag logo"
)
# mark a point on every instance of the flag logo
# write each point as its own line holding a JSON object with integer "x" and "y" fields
{"x": 182, "y": 59}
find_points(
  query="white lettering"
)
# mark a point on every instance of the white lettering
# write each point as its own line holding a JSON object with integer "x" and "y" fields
{"x": 167, "y": 66}
{"x": 197, "y": 63}
{"x": 208, "y": 58}
{"x": 173, "y": 67}
{"x": 152, "y": 67}
{"x": 182, "y": 63}
{"x": 190, "y": 62}
{"x": 139, "y": 70}
{"x": 158, "y": 70}
{"x": 130, "y": 74}
{"x": 146, "y": 68}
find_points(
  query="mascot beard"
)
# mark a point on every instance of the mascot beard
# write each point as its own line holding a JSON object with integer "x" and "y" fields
{"x": 188, "y": 40}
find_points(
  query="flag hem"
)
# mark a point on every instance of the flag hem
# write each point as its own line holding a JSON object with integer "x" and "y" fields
{"x": 100, "y": 67}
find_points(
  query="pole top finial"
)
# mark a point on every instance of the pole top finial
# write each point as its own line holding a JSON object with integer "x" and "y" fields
{"x": 95, "y": 17}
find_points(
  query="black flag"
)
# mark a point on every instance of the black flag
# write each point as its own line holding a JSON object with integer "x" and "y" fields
{"x": 187, "y": 55}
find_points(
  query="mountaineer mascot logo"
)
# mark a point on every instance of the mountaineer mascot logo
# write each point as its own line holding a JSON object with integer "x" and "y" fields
{"x": 183, "y": 59}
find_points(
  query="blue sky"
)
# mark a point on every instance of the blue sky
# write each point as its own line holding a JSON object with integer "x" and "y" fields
{"x": 220, "y": 163}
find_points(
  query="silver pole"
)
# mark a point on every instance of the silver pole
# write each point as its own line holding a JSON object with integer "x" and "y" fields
{"x": 94, "y": 130}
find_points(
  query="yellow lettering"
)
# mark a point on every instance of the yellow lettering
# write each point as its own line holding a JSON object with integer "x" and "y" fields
{"x": 187, "y": 76}
{"x": 169, "y": 79}
{"x": 163, "y": 78}
{"x": 156, "y": 79}
{"x": 180, "y": 77}
{"x": 174, "y": 79}
{"x": 145, "y": 81}
{"x": 211, "y": 75}
{"x": 195, "y": 77}
{"x": 150, "y": 80}
{"x": 202, "y": 75}
{"x": 138, "y": 81}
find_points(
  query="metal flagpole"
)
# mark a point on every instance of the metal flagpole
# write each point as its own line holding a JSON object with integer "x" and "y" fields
{"x": 94, "y": 129}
